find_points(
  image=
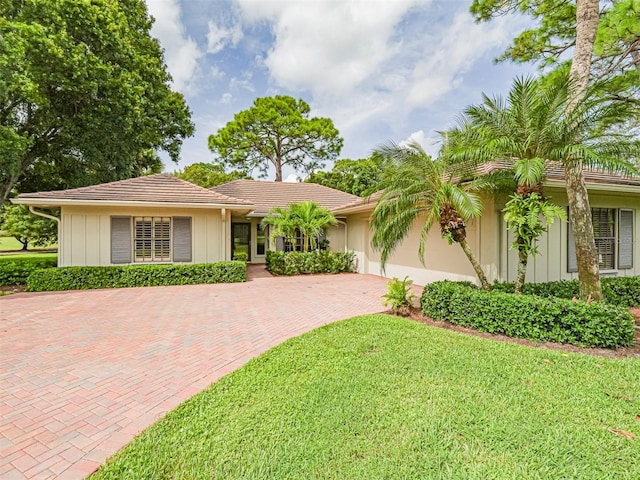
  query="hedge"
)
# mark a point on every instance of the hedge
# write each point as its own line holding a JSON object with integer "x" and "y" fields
{"x": 15, "y": 269}
{"x": 85, "y": 278}
{"x": 623, "y": 291}
{"x": 317, "y": 261}
{"x": 528, "y": 316}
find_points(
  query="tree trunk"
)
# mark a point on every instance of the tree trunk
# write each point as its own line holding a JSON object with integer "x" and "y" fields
{"x": 278, "y": 166}
{"x": 587, "y": 18}
{"x": 476, "y": 265}
{"x": 523, "y": 259}
{"x": 582, "y": 227}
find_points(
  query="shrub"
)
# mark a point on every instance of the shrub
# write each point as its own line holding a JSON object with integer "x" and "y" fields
{"x": 85, "y": 278}
{"x": 527, "y": 316}
{"x": 241, "y": 256}
{"x": 617, "y": 290}
{"x": 15, "y": 269}
{"x": 399, "y": 296}
{"x": 317, "y": 261}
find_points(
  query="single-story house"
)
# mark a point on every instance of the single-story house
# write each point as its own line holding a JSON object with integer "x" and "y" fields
{"x": 615, "y": 206}
{"x": 160, "y": 218}
{"x": 163, "y": 219}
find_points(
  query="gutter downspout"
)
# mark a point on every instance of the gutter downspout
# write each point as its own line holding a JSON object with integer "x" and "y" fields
{"x": 57, "y": 220}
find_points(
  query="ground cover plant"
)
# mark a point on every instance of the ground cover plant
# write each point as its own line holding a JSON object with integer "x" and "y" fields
{"x": 15, "y": 269}
{"x": 532, "y": 317}
{"x": 85, "y": 278}
{"x": 379, "y": 396}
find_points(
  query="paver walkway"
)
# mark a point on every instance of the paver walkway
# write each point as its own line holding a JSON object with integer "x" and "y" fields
{"x": 83, "y": 372}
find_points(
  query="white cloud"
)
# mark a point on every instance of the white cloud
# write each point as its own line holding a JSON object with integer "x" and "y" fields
{"x": 216, "y": 73}
{"x": 292, "y": 178}
{"x": 328, "y": 47}
{"x": 220, "y": 37}
{"x": 226, "y": 98}
{"x": 181, "y": 51}
{"x": 463, "y": 43}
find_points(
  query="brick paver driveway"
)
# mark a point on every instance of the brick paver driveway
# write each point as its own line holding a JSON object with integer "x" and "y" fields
{"x": 84, "y": 372}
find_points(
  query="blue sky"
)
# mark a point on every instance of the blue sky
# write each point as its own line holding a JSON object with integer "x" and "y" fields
{"x": 380, "y": 69}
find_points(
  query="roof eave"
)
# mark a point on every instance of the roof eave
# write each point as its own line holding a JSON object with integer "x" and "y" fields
{"x": 57, "y": 202}
{"x": 596, "y": 186}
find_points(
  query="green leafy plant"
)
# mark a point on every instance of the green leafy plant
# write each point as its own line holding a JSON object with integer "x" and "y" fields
{"x": 15, "y": 269}
{"x": 526, "y": 316}
{"x": 85, "y": 278}
{"x": 317, "y": 261}
{"x": 623, "y": 291}
{"x": 399, "y": 296}
{"x": 241, "y": 256}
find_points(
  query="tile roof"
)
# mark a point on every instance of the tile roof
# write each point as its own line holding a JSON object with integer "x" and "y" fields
{"x": 555, "y": 171}
{"x": 158, "y": 188}
{"x": 266, "y": 195}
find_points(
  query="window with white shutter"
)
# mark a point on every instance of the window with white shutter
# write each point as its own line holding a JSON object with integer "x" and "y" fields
{"x": 152, "y": 239}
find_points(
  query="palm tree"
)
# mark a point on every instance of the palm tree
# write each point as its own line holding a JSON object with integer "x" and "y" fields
{"x": 311, "y": 221}
{"x": 417, "y": 186}
{"x": 532, "y": 127}
{"x": 307, "y": 218}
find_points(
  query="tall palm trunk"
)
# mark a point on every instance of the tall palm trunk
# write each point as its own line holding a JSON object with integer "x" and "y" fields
{"x": 476, "y": 265}
{"x": 587, "y": 18}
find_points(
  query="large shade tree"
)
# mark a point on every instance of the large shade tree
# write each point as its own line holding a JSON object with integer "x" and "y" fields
{"x": 276, "y": 131}
{"x": 419, "y": 188}
{"x": 85, "y": 95}
{"x": 604, "y": 45}
{"x": 533, "y": 126}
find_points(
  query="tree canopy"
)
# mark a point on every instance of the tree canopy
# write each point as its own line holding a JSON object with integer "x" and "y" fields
{"x": 616, "y": 52}
{"x": 84, "y": 94}
{"x": 357, "y": 177}
{"x": 28, "y": 229}
{"x": 276, "y": 131}
{"x": 209, "y": 175}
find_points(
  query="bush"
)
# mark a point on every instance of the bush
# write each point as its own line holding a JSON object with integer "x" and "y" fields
{"x": 317, "y": 261}
{"x": 241, "y": 256}
{"x": 85, "y": 278}
{"x": 15, "y": 269}
{"x": 623, "y": 291}
{"x": 528, "y": 316}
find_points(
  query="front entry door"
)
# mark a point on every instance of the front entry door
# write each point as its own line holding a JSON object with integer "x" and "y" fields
{"x": 241, "y": 239}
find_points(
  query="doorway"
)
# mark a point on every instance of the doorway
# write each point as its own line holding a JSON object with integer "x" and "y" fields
{"x": 241, "y": 239}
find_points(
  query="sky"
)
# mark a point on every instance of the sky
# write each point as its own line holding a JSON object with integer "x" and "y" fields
{"x": 381, "y": 70}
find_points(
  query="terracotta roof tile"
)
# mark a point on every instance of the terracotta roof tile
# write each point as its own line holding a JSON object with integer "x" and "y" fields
{"x": 158, "y": 188}
{"x": 266, "y": 195}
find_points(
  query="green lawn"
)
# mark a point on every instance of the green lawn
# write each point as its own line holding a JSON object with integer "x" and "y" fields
{"x": 10, "y": 244}
{"x": 379, "y": 397}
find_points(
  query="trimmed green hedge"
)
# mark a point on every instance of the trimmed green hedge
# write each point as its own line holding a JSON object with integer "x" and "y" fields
{"x": 528, "y": 316}
{"x": 616, "y": 290}
{"x": 85, "y": 278}
{"x": 317, "y": 261}
{"x": 15, "y": 269}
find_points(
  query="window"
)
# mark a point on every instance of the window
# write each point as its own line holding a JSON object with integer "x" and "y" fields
{"x": 613, "y": 233}
{"x": 152, "y": 241}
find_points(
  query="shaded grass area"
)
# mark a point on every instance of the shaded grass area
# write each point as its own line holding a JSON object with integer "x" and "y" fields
{"x": 382, "y": 397}
{"x": 10, "y": 244}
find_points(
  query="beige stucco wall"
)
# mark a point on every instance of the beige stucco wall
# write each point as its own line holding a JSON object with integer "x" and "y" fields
{"x": 441, "y": 260}
{"x": 551, "y": 263}
{"x": 86, "y": 233}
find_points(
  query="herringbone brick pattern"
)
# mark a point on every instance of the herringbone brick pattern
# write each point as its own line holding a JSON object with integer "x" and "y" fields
{"x": 83, "y": 372}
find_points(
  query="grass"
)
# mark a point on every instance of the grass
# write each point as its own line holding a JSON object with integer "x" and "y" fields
{"x": 8, "y": 244}
{"x": 28, "y": 254}
{"x": 382, "y": 397}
